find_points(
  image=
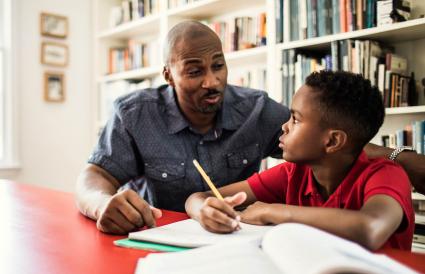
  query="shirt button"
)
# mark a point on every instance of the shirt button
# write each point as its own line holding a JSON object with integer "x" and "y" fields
{"x": 164, "y": 175}
{"x": 182, "y": 164}
{"x": 245, "y": 161}
{"x": 201, "y": 142}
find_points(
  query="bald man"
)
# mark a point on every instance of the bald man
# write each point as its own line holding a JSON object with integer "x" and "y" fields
{"x": 143, "y": 160}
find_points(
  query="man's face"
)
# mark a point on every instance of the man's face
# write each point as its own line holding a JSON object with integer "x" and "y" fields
{"x": 303, "y": 140}
{"x": 199, "y": 74}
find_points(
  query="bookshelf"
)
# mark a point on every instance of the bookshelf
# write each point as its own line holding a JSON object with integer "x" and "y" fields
{"x": 407, "y": 38}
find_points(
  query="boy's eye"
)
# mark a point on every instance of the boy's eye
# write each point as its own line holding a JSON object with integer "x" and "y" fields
{"x": 294, "y": 120}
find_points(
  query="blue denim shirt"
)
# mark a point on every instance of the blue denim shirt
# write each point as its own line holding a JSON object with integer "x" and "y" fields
{"x": 150, "y": 145}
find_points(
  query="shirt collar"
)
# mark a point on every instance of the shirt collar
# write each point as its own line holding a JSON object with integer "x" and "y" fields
{"x": 350, "y": 178}
{"x": 232, "y": 114}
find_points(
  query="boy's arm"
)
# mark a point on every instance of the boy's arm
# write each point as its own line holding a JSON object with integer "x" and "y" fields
{"x": 215, "y": 215}
{"x": 371, "y": 226}
{"x": 413, "y": 163}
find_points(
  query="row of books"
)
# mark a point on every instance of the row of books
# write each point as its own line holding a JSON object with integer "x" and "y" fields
{"x": 386, "y": 70}
{"x": 254, "y": 77}
{"x": 241, "y": 32}
{"x": 412, "y": 135}
{"x": 179, "y": 3}
{"x": 110, "y": 91}
{"x": 303, "y": 19}
{"x": 136, "y": 55}
{"x": 132, "y": 10}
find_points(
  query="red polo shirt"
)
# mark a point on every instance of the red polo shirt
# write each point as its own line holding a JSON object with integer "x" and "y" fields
{"x": 294, "y": 184}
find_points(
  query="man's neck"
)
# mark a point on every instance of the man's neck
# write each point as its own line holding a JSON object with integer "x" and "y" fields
{"x": 201, "y": 122}
{"x": 330, "y": 172}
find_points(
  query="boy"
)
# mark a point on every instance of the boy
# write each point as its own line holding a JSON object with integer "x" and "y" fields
{"x": 327, "y": 181}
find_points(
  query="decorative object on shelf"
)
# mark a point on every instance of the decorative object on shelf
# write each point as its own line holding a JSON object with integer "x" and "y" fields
{"x": 53, "y": 25}
{"x": 54, "y": 87}
{"x": 54, "y": 54}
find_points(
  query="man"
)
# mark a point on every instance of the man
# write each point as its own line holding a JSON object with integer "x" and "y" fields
{"x": 154, "y": 135}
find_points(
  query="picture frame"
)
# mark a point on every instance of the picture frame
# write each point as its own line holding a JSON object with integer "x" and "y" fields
{"x": 54, "y": 87}
{"x": 54, "y": 54}
{"x": 53, "y": 25}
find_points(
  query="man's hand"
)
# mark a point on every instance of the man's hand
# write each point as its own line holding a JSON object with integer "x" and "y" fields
{"x": 126, "y": 211}
{"x": 219, "y": 216}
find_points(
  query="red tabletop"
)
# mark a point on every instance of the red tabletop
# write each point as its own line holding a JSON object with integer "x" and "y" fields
{"x": 41, "y": 231}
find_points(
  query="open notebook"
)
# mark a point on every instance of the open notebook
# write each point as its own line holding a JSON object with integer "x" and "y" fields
{"x": 189, "y": 233}
{"x": 286, "y": 248}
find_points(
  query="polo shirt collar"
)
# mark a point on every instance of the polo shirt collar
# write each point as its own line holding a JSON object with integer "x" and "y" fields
{"x": 349, "y": 179}
{"x": 230, "y": 117}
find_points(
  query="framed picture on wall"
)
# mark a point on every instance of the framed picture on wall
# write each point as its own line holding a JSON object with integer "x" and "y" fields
{"x": 54, "y": 87}
{"x": 53, "y": 25}
{"x": 54, "y": 54}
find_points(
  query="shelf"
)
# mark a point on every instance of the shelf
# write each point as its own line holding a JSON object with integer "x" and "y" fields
{"x": 419, "y": 219}
{"x": 397, "y": 32}
{"x": 417, "y": 196}
{"x": 210, "y": 8}
{"x": 247, "y": 56}
{"x": 405, "y": 110}
{"x": 144, "y": 26}
{"x": 132, "y": 74}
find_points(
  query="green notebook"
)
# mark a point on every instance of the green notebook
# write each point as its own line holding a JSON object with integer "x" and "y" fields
{"x": 148, "y": 245}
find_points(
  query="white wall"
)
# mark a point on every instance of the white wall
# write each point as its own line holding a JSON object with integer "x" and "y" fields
{"x": 54, "y": 138}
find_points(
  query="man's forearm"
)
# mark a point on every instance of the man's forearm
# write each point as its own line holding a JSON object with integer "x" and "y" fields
{"x": 413, "y": 164}
{"x": 94, "y": 189}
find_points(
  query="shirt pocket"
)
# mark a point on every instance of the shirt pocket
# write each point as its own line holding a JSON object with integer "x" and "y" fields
{"x": 165, "y": 170}
{"x": 244, "y": 156}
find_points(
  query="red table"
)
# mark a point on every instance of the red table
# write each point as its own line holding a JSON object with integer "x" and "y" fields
{"x": 42, "y": 231}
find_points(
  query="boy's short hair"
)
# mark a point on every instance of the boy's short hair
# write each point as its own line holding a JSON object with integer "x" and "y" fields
{"x": 349, "y": 102}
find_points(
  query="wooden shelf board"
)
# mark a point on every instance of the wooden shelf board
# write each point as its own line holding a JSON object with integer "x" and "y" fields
{"x": 132, "y": 74}
{"x": 405, "y": 110}
{"x": 210, "y": 8}
{"x": 247, "y": 56}
{"x": 397, "y": 32}
{"x": 145, "y": 25}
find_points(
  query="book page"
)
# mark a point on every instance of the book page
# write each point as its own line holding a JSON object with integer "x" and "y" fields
{"x": 297, "y": 248}
{"x": 189, "y": 233}
{"x": 241, "y": 257}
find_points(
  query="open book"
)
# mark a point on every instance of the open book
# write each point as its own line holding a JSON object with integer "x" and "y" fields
{"x": 189, "y": 233}
{"x": 286, "y": 248}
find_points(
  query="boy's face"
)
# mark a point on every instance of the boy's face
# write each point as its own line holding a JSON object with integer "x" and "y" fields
{"x": 303, "y": 139}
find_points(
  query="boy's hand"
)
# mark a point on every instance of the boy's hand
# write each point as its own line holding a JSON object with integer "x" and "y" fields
{"x": 219, "y": 216}
{"x": 255, "y": 214}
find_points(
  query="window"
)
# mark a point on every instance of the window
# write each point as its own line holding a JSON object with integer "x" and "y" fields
{"x": 7, "y": 97}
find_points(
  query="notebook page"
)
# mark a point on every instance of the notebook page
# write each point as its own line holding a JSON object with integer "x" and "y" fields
{"x": 245, "y": 258}
{"x": 297, "y": 248}
{"x": 189, "y": 233}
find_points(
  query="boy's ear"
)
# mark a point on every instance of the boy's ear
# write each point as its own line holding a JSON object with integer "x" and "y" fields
{"x": 336, "y": 140}
{"x": 167, "y": 75}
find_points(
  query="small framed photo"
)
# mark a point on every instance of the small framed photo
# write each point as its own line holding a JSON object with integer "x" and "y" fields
{"x": 54, "y": 54}
{"x": 54, "y": 87}
{"x": 53, "y": 25}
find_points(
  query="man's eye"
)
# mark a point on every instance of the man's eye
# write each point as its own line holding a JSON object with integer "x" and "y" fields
{"x": 218, "y": 66}
{"x": 194, "y": 72}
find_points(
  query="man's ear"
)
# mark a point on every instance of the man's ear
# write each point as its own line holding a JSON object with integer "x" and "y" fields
{"x": 167, "y": 75}
{"x": 337, "y": 139}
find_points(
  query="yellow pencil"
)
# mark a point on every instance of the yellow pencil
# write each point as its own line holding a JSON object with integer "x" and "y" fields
{"x": 207, "y": 179}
